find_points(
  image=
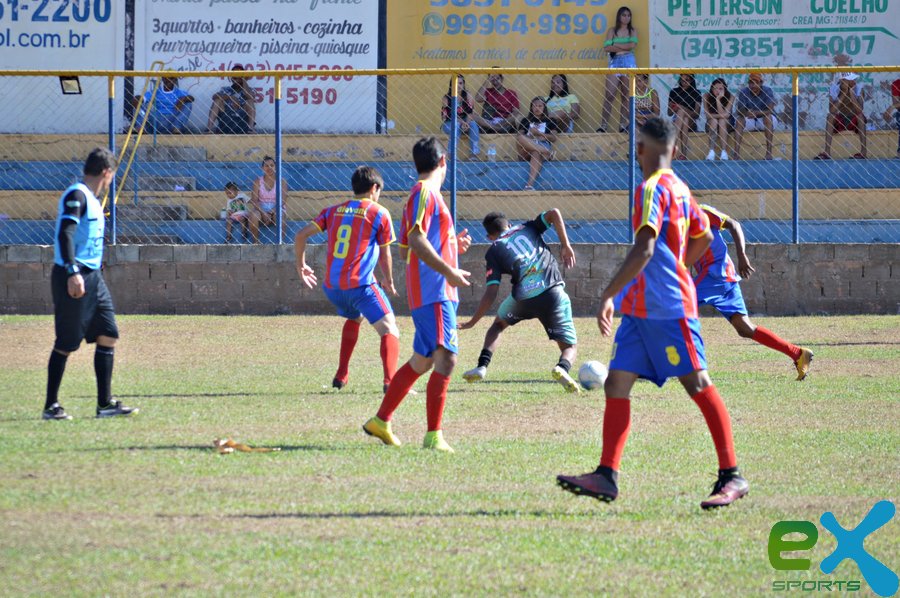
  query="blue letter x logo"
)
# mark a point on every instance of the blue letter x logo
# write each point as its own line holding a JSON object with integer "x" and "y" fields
{"x": 882, "y": 580}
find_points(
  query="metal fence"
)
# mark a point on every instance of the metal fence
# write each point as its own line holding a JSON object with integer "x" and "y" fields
{"x": 317, "y": 126}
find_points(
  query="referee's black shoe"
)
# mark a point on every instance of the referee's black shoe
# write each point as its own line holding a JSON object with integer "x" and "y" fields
{"x": 115, "y": 409}
{"x": 55, "y": 412}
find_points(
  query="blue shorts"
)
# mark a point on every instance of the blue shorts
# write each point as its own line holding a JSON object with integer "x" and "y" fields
{"x": 622, "y": 60}
{"x": 724, "y": 296}
{"x": 658, "y": 349}
{"x": 369, "y": 301}
{"x": 435, "y": 327}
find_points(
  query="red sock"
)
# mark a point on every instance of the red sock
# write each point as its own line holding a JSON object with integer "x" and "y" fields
{"x": 435, "y": 397}
{"x": 397, "y": 390}
{"x": 766, "y": 337}
{"x": 719, "y": 424}
{"x": 390, "y": 351}
{"x": 349, "y": 336}
{"x": 616, "y": 425}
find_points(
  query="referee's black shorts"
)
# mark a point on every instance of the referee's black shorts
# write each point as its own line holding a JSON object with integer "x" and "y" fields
{"x": 81, "y": 319}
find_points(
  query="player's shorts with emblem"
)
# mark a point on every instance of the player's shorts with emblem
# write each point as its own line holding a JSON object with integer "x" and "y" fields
{"x": 369, "y": 301}
{"x": 85, "y": 318}
{"x": 435, "y": 327}
{"x": 724, "y": 296}
{"x": 552, "y": 308}
{"x": 658, "y": 349}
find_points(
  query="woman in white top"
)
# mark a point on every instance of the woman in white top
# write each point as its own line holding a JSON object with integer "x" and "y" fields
{"x": 562, "y": 106}
{"x": 263, "y": 200}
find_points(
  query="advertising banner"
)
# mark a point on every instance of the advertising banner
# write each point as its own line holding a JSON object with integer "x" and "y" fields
{"x": 504, "y": 33}
{"x": 335, "y": 35}
{"x": 772, "y": 33}
{"x": 45, "y": 35}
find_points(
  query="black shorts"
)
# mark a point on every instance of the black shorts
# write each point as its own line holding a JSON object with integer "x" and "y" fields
{"x": 552, "y": 308}
{"x": 81, "y": 319}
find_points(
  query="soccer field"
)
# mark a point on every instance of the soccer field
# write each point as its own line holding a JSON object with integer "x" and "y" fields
{"x": 145, "y": 506}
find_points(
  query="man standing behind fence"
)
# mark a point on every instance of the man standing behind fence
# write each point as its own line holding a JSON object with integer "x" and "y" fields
{"x": 82, "y": 305}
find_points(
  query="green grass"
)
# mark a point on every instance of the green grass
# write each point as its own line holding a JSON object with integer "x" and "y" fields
{"x": 146, "y": 507}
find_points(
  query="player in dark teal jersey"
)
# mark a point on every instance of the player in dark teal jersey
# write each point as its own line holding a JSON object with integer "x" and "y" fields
{"x": 82, "y": 305}
{"x": 538, "y": 289}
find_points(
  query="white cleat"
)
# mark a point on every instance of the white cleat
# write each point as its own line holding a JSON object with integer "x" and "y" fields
{"x": 476, "y": 374}
{"x": 563, "y": 377}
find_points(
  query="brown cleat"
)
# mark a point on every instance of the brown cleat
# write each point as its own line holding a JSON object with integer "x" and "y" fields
{"x": 726, "y": 490}
{"x": 599, "y": 484}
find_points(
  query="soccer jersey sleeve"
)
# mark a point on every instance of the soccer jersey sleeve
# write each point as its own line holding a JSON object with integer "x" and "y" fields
{"x": 699, "y": 222}
{"x": 648, "y": 211}
{"x": 716, "y": 218}
{"x": 539, "y": 224}
{"x": 422, "y": 211}
{"x": 321, "y": 221}
{"x": 385, "y": 233}
{"x": 493, "y": 267}
{"x": 74, "y": 205}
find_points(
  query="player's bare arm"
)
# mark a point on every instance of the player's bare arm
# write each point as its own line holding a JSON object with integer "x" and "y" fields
{"x": 487, "y": 300}
{"x": 386, "y": 265}
{"x": 636, "y": 260}
{"x": 697, "y": 247}
{"x": 425, "y": 252}
{"x": 737, "y": 233}
{"x": 307, "y": 275}
{"x": 555, "y": 218}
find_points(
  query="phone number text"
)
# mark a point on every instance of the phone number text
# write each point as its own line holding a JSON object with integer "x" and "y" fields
{"x": 522, "y": 24}
{"x": 761, "y": 47}
{"x": 296, "y": 95}
{"x": 43, "y": 11}
{"x": 506, "y": 3}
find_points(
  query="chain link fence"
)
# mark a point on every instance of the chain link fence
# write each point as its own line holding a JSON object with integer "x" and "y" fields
{"x": 196, "y": 134}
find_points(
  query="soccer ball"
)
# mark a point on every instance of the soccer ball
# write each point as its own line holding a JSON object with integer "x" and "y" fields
{"x": 592, "y": 374}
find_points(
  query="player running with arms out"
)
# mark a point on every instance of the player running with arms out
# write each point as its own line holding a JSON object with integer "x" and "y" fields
{"x": 659, "y": 336}
{"x": 359, "y": 234}
{"x": 82, "y": 305}
{"x": 430, "y": 245}
{"x": 538, "y": 289}
{"x": 718, "y": 285}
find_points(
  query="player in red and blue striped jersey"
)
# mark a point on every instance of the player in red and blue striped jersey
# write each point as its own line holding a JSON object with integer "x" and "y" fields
{"x": 718, "y": 285}
{"x": 660, "y": 334}
{"x": 430, "y": 244}
{"x": 359, "y": 234}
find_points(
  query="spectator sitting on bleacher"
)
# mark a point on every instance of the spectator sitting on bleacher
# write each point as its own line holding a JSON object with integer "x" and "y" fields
{"x": 500, "y": 106}
{"x": 893, "y": 112}
{"x": 534, "y": 143}
{"x": 263, "y": 200}
{"x": 171, "y": 107}
{"x": 717, "y": 103}
{"x": 684, "y": 108}
{"x": 562, "y": 105}
{"x": 465, "y": 125}
{"x": 233, "y": 110}
{"x": 236, "y": 210}
{"x": 755, "y": 111}
{"x": 646, "y": 100}
{"x": 845, "y": 113}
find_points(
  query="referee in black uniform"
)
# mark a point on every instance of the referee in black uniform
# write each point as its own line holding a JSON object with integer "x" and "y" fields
{"x": 82, "y": 305}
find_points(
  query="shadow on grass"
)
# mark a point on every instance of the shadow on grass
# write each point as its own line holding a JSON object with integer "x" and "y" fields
{"x": 490, "y": 514}
{"x": 209, "y": 448}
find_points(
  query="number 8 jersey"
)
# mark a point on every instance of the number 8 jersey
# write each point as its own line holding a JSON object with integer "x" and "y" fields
{"x": 522, "y": 253}
{"x": 357, "y": 229}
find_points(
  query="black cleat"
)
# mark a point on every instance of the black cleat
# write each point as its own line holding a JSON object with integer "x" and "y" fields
{"x": 115, "y": 409}
{"x": 55, "y": 412}
{"x": 600, "y": 484}
{"x": 338, "y": 384}
{"x": 727, "y": 489}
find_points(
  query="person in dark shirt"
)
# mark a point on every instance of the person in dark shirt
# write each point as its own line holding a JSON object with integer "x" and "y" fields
{"x": 82, "y": 305}
{"x": 684, "y": 108}
{"x": 465, "y": 124}
{"x": 534, "y": 143}
{"x": 538, "y": 289}
{"x": 233, "y": 110}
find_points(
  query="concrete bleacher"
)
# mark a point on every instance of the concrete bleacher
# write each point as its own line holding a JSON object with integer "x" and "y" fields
{"x": 175, "y": 190}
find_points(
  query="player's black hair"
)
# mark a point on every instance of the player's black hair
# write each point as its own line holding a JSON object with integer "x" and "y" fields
{"x": 659, "y": 130}
{"x": 99, "y": 160}
{"x": 231, "y": 185}
{"x": 495, "y": 223}
{"x": 427, "y": 154}
{"x": 363, "y": 178}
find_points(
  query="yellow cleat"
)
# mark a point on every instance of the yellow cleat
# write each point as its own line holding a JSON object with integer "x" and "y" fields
{"x": 435, "y": 441}
{"x": 382, "y": 431}
{"x": 563, "y": 377}
{"x": 802, "y": 364}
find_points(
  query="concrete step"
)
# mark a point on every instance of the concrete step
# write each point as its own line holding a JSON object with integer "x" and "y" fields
{"x": 148, "y": 182}
{"x": 171, "y": 153}
{"x": 152, "y": 213}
